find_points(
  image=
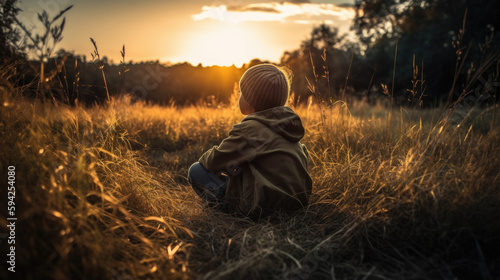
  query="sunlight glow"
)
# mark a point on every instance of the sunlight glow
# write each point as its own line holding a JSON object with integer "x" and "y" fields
{"x": 223, "y": 45}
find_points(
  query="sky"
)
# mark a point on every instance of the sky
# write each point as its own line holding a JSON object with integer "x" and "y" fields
{"x": 210, "y": 32}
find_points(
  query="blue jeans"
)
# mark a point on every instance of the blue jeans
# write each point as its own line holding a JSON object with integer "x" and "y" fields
{"x": 209, "y": 186}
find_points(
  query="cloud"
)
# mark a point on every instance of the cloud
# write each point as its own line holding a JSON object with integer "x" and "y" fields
{"x": 300, "y": 11}
{"x": 252, "y": 9}
{"x": 298, "y": 1}
{"x": 317, "y": 22}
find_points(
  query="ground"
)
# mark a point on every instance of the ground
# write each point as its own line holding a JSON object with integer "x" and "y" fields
{"x": 101, "y": 193}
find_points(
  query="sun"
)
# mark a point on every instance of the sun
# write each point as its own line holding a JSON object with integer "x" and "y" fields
{"x": 223, "y": 45}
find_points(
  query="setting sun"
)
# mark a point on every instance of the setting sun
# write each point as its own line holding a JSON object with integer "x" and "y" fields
{"x": 224, "y": 45}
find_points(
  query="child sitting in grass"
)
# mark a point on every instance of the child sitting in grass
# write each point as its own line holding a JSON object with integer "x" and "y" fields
{"x": 261, "y": 166}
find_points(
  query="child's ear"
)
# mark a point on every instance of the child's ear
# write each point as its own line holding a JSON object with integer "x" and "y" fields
{"x": 245, "y": 107}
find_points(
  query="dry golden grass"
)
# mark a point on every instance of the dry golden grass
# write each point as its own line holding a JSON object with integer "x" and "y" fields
{"x": 102, "y": 194}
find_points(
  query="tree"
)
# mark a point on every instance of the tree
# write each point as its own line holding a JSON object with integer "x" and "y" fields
{"x": 323, "y": 37}
{"x": 9, "y": 34}
{"x": 430, "y": 30}
{"x": 319, "y": 62}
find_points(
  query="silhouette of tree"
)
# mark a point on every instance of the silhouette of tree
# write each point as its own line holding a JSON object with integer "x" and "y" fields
{"x": 320, "y": 62}
{"x": 430, "y": 31}
{"x": 10, "y": 38}
{"x": 392, "y": 18}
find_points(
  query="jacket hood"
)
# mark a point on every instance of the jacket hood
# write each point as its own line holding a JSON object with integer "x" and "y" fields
{"x": 282, "y": 120}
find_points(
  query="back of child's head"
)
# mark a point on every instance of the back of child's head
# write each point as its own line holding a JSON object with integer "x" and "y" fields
{"x": 265, "y": 86}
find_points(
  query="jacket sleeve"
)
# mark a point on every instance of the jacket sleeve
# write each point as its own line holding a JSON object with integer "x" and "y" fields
{"x": 232, "y": 152}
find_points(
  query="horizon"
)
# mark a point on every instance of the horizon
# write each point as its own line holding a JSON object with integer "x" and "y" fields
{"x": 261, "y": 30}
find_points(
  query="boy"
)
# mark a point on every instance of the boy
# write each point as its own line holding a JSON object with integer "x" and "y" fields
{"x": 261, "y": 166}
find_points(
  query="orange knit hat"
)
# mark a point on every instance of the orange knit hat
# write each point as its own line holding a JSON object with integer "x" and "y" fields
{"x": 265, "y": 86}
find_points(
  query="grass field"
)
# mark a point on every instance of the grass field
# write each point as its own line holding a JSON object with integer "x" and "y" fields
{"x": 102, "y": 194}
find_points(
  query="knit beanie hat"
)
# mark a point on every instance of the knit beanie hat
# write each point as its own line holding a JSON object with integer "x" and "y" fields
{"x": 264, "y": 86}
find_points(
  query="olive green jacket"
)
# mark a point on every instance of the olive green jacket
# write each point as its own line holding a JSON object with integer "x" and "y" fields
{"x": 266, "y": 163}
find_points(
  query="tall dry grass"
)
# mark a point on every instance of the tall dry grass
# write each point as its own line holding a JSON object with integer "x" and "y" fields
{"x": 102, "y": 194}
